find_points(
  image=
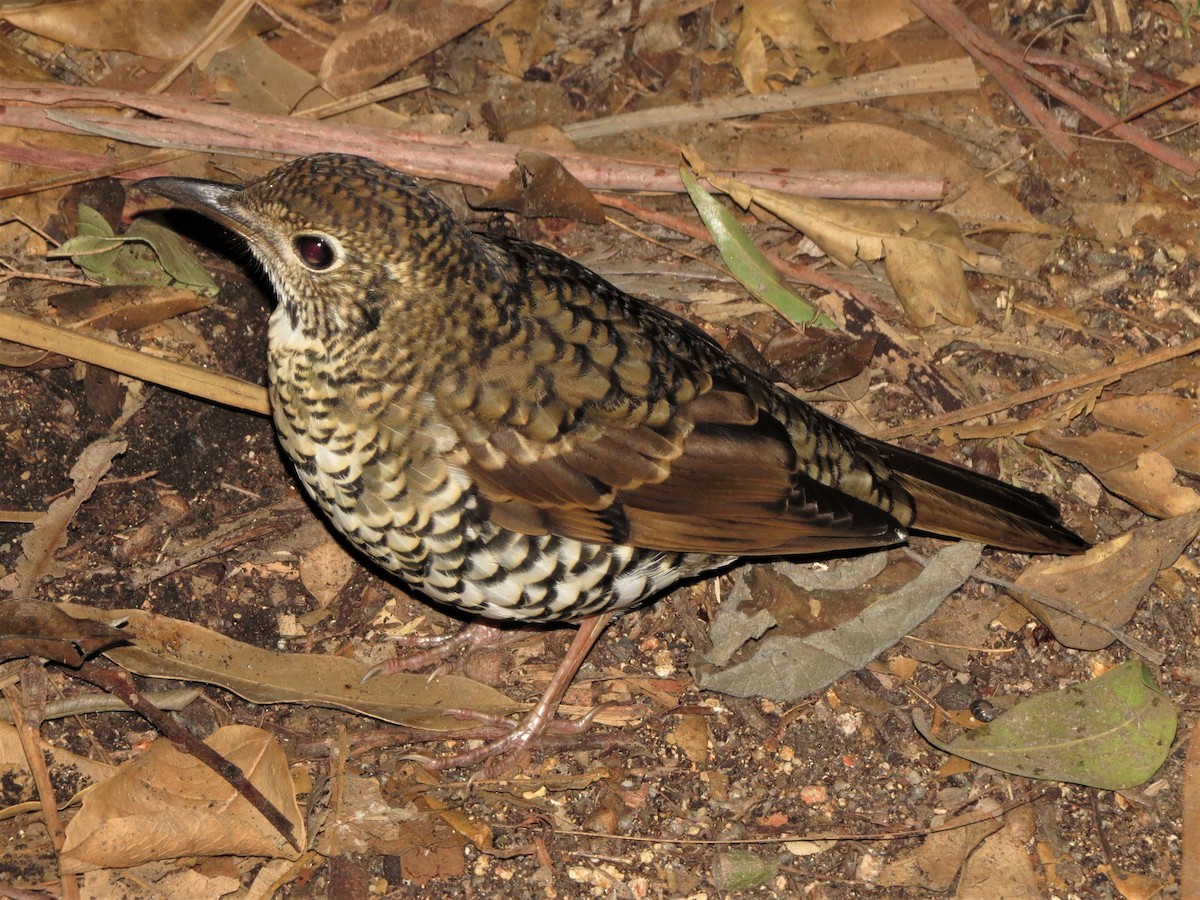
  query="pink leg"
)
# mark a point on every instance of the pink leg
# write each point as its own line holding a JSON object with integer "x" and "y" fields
{"x": 538, "y": 719}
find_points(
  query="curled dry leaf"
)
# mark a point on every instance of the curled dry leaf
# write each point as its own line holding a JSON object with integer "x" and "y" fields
{"x": 691, "y": 735}
{"x": 854, "y": 21}
{"x": 935, "y": 864}
{"x": 1132, "y": 885}
{"x": 166, "y": 805}
{"x": 326, "y": 569}
{"x": 125, "y": 307}
{"x": 31, "y": 628}
{"x": 540, "y": 186}
{"x": 1159, "y": 434}
{"x": 49, "y": 534}
{"x": 1003, "y": 866}
{"x": 779, "y": 38}
{"x": 1169, "y": 424}
{"x": 1107, "y": 583}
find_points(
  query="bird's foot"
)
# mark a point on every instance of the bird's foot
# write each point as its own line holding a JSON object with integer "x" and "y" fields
{"x": 504, "y": 752}
{"x": 475, "y": 635}
{"x": 538, "y": 721}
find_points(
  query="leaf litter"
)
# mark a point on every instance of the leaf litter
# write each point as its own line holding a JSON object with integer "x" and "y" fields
{"x": 997, "y": 275}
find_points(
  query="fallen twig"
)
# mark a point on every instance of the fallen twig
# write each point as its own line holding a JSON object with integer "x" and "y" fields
{"x": 183, "y": 123}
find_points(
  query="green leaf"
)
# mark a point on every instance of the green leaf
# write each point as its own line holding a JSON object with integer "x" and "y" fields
{"x": 92, "y": 224}
{"x": 146, "y": 254}
{"x": 1112, "y": 732}
{"x": 177, "y": 260}
{"x": 746, "y": 262}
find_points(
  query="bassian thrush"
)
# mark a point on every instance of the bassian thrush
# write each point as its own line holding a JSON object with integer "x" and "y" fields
{"x": 516, "y": 437}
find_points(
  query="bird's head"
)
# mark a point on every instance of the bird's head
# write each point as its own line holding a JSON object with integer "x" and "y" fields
{"x": 349, "y": 245}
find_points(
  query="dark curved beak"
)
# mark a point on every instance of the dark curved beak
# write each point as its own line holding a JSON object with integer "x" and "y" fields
{"x": 222, "y": 202}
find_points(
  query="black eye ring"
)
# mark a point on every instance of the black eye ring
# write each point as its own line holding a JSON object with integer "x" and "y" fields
{"x": 315, "y": 251}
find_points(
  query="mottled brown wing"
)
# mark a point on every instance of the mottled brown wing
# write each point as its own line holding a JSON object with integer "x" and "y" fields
{"x": 720, "y": 477}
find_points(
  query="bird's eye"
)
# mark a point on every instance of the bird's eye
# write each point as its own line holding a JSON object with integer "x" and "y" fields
{"x": 314, "y": 251}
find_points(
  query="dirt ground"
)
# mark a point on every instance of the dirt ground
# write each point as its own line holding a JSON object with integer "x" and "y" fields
{"x": 1078, "y": 264}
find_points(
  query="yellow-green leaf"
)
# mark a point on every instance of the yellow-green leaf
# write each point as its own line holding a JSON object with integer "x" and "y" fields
{"x": 746, "y": 262}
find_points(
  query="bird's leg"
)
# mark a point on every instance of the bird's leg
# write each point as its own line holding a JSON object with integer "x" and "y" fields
{"x": 539, "y": 718}
{"x": 476, "y": 634}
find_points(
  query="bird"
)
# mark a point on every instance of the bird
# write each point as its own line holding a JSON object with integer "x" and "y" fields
{"x": 515, "y": 437}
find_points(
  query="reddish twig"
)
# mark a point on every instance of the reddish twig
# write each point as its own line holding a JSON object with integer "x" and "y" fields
{"x": 986, "y": 45}
{"x": 183, "y": 123}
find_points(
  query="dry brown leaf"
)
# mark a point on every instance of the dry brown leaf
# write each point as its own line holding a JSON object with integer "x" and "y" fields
{"x": 1152, "y": 481}
{"x": 1107, "y": 583}
{"x": 165, "y": 805}
{"x": 49, "y": 535}
{"x": 928, "y": 279}
{"x": 1131, "y": 885}
{"x": 854, "y": 21}
{"x": 795, "y": 42}
{"x": 162, "y": 29}
{"x": 522, "y": 37}
{"x": 539, "y": 186}
{"x": 1002, "y": 866}
{"x": 254, "y": 76}
{"x": 691, "y": 736}
{"x": 1114, "y": 222}
{"x": 124, "y": 307}
{"x": 1169, "y": 423}
{"x": 169, "y": 648}
{"x": 1139, "y": 467}
{"x": 477, "y": 832}
{"x": 935, "y": 864}
{"x": 376, "y": 48}
{"x": 326, "y": 569}
{"x": 31, "y": 628}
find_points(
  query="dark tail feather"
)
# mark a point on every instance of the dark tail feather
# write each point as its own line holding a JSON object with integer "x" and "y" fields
{"x": 956, "y": 502}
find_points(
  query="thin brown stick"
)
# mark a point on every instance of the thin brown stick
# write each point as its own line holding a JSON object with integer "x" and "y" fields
{"x": 227, "y": 17}
{"x": 976, "y": 41}
{"x": 1084, "y": 379}
{"x": 31, "y": 744}
{"x": 921, "y": 78}
{"x": 898, "y": 834}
